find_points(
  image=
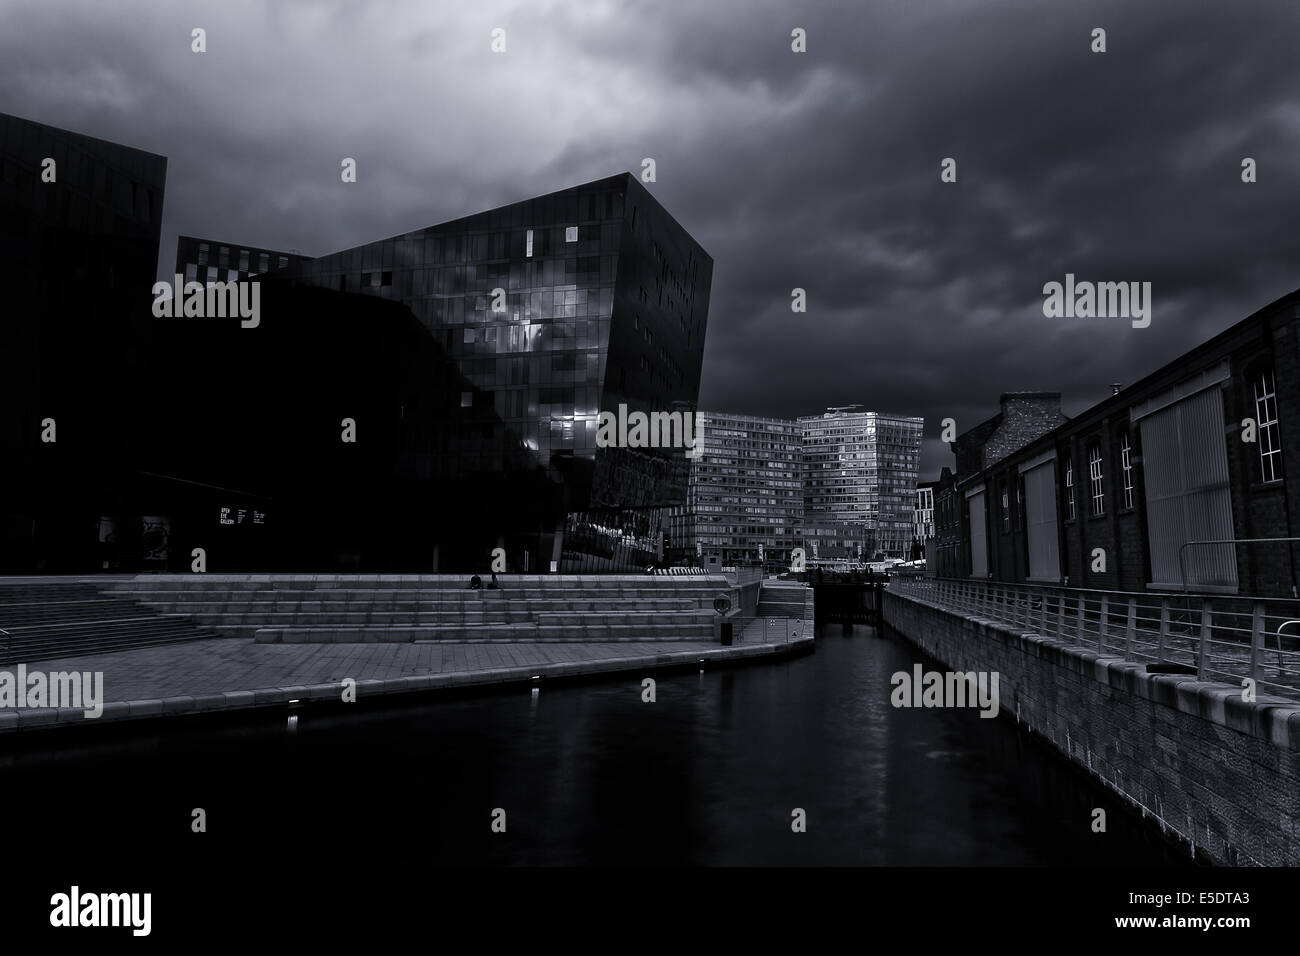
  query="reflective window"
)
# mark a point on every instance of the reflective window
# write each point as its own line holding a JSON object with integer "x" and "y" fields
{"x": 1098, "y": 497}
{"x": 1268, "y": 438}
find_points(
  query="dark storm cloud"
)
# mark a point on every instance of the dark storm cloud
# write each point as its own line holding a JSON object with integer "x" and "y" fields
{"x": 819, "y": 170}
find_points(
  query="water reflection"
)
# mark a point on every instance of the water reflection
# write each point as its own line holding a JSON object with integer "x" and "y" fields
{"x": 709, "y": 773}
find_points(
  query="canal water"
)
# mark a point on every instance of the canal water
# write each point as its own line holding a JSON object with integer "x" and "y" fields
{"x": 710, "y": 773}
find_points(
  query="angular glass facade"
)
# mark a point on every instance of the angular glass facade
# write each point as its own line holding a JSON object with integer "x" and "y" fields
{"x": 78, "y": 255}
{"x": 551, "y": 310}
{"x": 206, "y": 260}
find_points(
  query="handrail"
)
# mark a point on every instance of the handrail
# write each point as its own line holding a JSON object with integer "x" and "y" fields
{"x": 1063, "y": 587}
{"x": 1223, "y": 639}
{"x": 1182, "y": 571}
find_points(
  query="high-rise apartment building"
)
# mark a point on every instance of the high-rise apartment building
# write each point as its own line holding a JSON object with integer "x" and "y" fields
{"x": 745, "y": 500}
{"x": 861, "y": 468}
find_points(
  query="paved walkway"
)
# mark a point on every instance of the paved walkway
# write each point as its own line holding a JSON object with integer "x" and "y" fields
{"x": 231, "y": 673}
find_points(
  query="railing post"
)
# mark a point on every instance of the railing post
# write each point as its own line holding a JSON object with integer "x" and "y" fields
{"x": 1102, "y": 623}
{"x": 1164, "y": 629}
{"x": 1256, "y": 640}
{"x": 1042, "y": 615}
{"x": 1060, "y": 614}
{"x": 1207, "y": 622}
{"x": 1082, "y": 611}
{"x": 1130, "y": 628}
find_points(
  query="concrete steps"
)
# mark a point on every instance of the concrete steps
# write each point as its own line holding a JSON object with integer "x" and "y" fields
{"x": 782, "y": 600}
{"x": 60, "y": 619}
{"x": 407, "y": 608}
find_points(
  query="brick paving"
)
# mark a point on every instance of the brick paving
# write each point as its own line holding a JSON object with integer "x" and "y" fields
{"x": 233, "y": 673}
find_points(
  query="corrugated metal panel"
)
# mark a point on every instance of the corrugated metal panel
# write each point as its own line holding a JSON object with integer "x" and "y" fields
{"x": 1040, "y": 515}
{"x": 979, "y": 551}
{"x": 1185, "y": 464}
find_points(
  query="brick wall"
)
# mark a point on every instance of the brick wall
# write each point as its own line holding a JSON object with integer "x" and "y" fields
{"x": 1222, "y": 774}
{"x": 1026, "y": 416}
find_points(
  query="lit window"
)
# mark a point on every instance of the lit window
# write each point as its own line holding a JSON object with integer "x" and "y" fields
{"x": 232, "y": 275}
{"x": 243, "y": 260}
{"x": 263, "y": 262}
{"x": 212, "y": 273}
{"x": 528, "y": 244}
{"x": 1126, "y": 463}
{"x": 1098, "y": 505}
{"x": 466, "y": 399}
{"x": 191, "y": 271}
{"x": 570, "y": 233}
{"x": 1269, "y": 438}
{"x": 284, "y": 261}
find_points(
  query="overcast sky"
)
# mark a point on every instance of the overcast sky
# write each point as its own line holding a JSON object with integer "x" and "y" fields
{"x": 818, "y": 170}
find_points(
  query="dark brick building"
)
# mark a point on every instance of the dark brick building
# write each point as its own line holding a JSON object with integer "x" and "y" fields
{"x": 1142, "y": 490}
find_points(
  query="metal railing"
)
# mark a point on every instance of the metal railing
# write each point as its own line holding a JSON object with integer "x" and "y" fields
{"x": 1217, "y": 637}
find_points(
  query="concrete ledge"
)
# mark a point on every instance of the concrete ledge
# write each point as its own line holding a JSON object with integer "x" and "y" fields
{"x": 14, "y": 720}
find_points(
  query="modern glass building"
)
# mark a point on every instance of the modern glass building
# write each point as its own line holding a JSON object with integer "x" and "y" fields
{"x": 861, "y": 468}
{"x": 205, "y": 260}
{"x": 550, "y": 311}
{"x": 80, "y": 220}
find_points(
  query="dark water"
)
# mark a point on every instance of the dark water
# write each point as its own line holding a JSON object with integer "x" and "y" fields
{"x": 589, "y": 774}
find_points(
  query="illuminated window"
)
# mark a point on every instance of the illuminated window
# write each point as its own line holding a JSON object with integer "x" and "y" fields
{"x": 571, "y": 234}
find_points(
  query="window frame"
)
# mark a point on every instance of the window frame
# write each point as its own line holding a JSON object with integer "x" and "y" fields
{"x": 1096, "y": 480}
{"x": 1070, "y": 511}
{"x": 1268, "y": 430}
{"x": 1126, "y": 470}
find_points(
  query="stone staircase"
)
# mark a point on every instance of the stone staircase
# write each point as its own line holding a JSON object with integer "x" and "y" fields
{"x": 418, "y": 608}
{"x": 40, "y": 620}
{"x": 785, "y": 599}
{"x": 785, "y": 612}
